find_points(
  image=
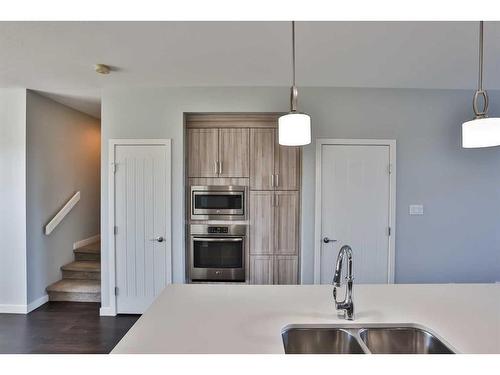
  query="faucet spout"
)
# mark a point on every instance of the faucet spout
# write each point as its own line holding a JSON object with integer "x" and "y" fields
{"x": 347, "y": 304}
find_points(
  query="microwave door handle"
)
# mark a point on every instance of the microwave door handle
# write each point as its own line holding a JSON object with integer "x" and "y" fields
{"x": 219, "y": 239}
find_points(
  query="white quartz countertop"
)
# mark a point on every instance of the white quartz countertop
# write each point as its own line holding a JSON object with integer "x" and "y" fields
{"x": 249, "y": 318}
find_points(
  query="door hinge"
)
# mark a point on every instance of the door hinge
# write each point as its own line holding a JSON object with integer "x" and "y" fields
{"x": 389, "y": 231}
{"x": 116, "y": 290}
{"x": 390, "y": 168}
{"x": 115, "y": 230}
{"x": 113, "y": 166}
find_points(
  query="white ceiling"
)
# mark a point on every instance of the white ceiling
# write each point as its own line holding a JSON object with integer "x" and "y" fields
{"x": 57, "y": 58}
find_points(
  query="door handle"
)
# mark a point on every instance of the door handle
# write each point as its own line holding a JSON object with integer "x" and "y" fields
{"x": 215, "y": 169}
{"x": 327, "y": 240}
{"x": 158, "y": 239}
{"x": 277, "y": 180}
{"x": 220, "y": 168}
{"x": 272, "y": 180}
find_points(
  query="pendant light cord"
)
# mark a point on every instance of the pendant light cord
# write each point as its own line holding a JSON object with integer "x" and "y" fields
{"x": 481, "y": 41}
{"x": 294, "y": 93}
{"x": 293, "y": 52}
{"x": 480, "y": 92}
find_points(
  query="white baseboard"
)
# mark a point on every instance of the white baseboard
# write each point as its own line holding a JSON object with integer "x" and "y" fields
{"x": 86, "y": 241}
{"x": 106, "y": 311}
{"x": 13, "y": 309}
{"x": 38, "y": 302}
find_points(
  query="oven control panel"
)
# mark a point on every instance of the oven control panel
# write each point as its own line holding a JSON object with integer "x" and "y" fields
{"x": 216, "y": 230}
{"x": 235, "y": 230}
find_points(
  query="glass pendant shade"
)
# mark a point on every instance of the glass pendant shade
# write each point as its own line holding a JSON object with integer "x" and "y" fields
{"x": 294, "y": 129}
{"x": 481, "y": 132}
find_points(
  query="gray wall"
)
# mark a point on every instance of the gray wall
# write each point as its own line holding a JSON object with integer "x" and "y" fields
{"x": 159, "y": 113}
{"x": 458, "y": 237}
{"x": 455, "y": 241}
{"x": 63, "y": 156}
{"x": 13, "y": 200}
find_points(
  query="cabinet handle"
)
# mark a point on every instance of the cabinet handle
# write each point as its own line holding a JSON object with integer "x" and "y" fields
{"x": 220, "y": 168}
{"x": 215, "y": 169}
{"x": 275, "y": 202}
{"x": 277, "y": 180}
{"x": 272, "y": 180}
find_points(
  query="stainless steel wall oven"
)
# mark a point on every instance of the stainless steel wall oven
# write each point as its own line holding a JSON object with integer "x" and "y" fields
{"x": 217, "y": 252}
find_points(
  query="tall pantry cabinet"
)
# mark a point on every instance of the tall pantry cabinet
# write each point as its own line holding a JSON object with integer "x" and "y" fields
{"x": 274, "y": 209}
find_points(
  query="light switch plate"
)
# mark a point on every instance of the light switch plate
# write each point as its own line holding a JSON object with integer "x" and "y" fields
{"x": 416, "y": 209}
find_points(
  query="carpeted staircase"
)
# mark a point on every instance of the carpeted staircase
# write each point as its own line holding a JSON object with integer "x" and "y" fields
{"x": 81, "y": 280}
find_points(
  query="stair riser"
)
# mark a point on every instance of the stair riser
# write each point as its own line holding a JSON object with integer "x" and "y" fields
{"x": 81, "y": 275}
{"x": 74, "y": 297}
{"x": 87, "y": 256}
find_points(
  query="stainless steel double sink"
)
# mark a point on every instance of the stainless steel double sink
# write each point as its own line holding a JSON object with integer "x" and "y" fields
{"x": 365, "y": 339}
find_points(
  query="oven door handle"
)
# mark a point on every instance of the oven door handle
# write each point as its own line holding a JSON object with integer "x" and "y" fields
{"x": 211, "y": 239}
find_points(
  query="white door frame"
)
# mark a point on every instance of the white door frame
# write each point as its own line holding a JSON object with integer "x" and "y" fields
{"x": 111, "y": 209}
{"x": 392, "y": 199}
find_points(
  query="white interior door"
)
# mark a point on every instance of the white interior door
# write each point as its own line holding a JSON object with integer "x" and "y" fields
{"x": 142, "y": 219}
{"x": 355, "y": 209}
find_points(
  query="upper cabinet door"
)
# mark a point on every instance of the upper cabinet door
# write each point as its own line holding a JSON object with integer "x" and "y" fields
{"x": 203, "y": 146}
{"x": 287, "y": 168}
{"x": 286, "y": 222}
{"x": 262, "y": 146}
{"x": 233, "y": 152}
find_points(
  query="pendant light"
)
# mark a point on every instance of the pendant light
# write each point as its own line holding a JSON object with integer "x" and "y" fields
{"x": 294, "y": 128}
{"x": 482, "y": 131}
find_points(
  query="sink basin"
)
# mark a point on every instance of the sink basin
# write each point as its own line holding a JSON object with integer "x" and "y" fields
{"x": 402, "y": 340}
{"x": 320, "y": 341}
{"x": 363, "y": 339}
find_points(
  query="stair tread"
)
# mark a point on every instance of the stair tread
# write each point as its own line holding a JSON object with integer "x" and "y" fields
{"x": 83, "y": 265}
{"x": 93, "y": 248}
{"x": 75, "y": 286}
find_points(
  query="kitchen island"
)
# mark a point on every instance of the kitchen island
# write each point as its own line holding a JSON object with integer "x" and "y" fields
{"x": 250, "y": 318}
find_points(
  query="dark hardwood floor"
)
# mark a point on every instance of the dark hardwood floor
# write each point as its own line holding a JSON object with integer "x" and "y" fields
{"x": 63, "y": 327}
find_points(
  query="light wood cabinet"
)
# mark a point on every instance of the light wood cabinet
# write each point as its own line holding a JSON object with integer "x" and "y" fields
{"x": 272, "y": 167}
{"x": 261, "y": 222}
{"x": 287, "y": 168}
{"x": 232, "y": 149}
{"x": 233, "y": 152}
{"x": 262, "y": 152}
{"x": 218, "y": 152}
{"x": 261, "y": 269}
{"x": 274, "y": 231}
{"x": 203, "y": 146}
{"x": 286, "y": 219}
{"x": 285, "y": 269}
{"x": 278, "y": 270}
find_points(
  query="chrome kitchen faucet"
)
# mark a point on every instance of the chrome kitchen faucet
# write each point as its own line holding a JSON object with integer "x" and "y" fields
{"x": 347, "y": 304}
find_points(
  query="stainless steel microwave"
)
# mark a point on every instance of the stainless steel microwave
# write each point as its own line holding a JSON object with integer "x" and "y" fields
{"x": 218, "y": 202}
